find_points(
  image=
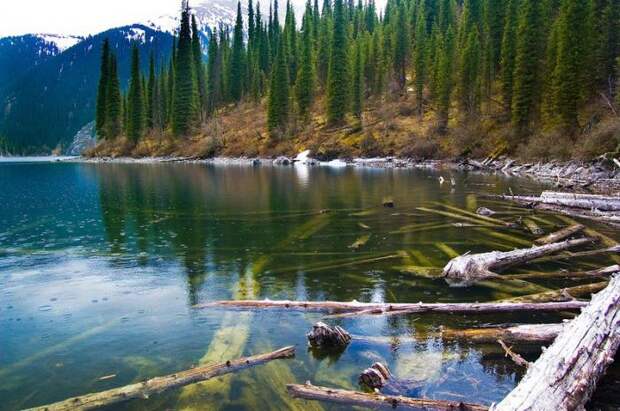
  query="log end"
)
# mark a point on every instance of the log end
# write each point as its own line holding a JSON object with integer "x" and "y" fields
{"x": 325, "y": 336}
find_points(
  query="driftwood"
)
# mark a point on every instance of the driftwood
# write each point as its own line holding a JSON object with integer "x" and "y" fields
{"x": 355, "y": 308}
{"x": 470, "y": 268}
{"x": 377, "y": 401}
{"x": 565, "y": 294}
{"x": 157, "y": 385}
{"x": 566, "y": 374}
{"x": 324, "y": 336}
{"x": 601, "y": 272}
{"x": 517, "y": 334}
{"x": 583, "y": 201}
{"x": 560, "y": 235}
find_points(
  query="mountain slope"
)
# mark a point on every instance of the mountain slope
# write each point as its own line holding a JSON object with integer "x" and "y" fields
{"x": 56, "y": 97}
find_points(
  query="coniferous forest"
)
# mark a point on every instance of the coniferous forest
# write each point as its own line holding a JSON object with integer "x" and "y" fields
{"x": 421, "y": 77}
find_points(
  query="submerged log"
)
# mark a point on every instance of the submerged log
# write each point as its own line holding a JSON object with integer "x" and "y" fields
{"x": 533, "y": 227}
{"x": 601, "y": 272}
{"x": 565, "y": 294}
{"x": 517, "y": 334}
{"x": 376, "y": 376}
{"x": 324, "y": 336}
{"x": 516, "y": 358}
{"x": 566, "y": 374}
{"x": 143, "y": 390}
{"x": 377, "y": 401}
{"x": 357, "y": 308}
{"x": 560, "y": 235}
{"x": 571, "y": 200}
{"x": 469, "y": 268}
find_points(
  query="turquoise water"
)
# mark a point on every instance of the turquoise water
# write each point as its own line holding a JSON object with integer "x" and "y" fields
{"x": 101, "y": 266}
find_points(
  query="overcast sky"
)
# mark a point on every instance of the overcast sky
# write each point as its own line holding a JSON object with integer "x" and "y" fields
{"x": 77, "y": 16}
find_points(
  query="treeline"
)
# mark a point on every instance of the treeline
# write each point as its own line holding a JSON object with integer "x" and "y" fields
{"x": 540, "y": 61}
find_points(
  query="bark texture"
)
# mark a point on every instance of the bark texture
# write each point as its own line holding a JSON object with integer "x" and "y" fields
{"x": 156, "y": 385}
{"x": 566, "y": 374}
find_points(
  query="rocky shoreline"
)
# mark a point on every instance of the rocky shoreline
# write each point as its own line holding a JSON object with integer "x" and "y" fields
{"x": 601, "y": 175}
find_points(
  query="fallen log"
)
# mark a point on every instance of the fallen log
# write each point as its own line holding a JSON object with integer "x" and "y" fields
{"x": 560, "y": 235}
{"x": 533, "y": 227}
{"x": 601, "y": 272}
{"x": 564, "y": 294}
{"x": 566, "y": 374}
{"x": 590, "y": 253}
{"x": 377, "y": 401}
{"x": 516, "y": 358}
{"x": 517, "y": 334}
{"x": 356, "y": 308}
{"x": 583, "y": 201}
{"x": 157, "y": 385}
{"x": 465, "y": 270}
{"x": 379, "y": 377}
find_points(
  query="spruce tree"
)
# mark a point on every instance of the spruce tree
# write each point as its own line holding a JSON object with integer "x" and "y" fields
{"x": 114, "y": 102}
{"x": 305, "y": 78}
{"x": 237, "y": 67}
{"x": 135, "y": 100}
{"x": 199, "y": 66}
{"x": 102, "y": 103}
{"x": 469, "y": 74}
{"x": 184, "y": 98}
{"x": 419, "y": 59}
{"x": 401, "y": 46}
{"x": 508, "y": 52}
{"x": 526, "y": 80}
{"x": 214, "y": 74}
{"x": 324, "y": 46}
{"x": 278, "y": 104}
{"x": 290, "y": 36}
{"x": 338, "y": 75}
{"x": 357, "y": 95}
{"x": 150, "y": 93}
{"x": 444, "y": 78}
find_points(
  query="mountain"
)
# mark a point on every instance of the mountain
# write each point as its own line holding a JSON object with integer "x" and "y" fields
{"x": 55, "y": 97}
{"x": 18, "y": 54}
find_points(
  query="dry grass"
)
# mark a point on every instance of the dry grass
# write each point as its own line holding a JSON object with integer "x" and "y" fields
{"x": 388, "y": 127}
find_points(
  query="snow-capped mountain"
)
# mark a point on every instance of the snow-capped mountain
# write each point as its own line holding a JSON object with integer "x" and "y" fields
{"x": 60, "y": 42}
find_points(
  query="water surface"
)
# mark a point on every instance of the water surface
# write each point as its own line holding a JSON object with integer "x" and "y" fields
{"x": 101, "y": 266}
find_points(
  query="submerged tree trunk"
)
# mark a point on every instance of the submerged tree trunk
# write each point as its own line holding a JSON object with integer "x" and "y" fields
{"x": 467, "y": 269}
{"x": 377, "y": 401}
{"x": 560, "y": 235}
{"x": 159, "y": 384}
{"x": 566, "y": 374}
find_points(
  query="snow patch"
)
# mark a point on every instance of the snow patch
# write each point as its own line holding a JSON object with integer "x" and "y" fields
{"x": 62, "y": 42}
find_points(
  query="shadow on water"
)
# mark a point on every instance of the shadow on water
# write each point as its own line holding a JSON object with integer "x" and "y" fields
{"x": 103, "y": 263}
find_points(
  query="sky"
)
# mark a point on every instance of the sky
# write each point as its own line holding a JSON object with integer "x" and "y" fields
{"x": 80, "y": 17}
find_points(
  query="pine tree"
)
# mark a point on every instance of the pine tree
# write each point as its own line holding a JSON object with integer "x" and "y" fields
{"x": 572, "y": 67}
{"x": 338, "y": 74}
{"x": 401, "y": 46}
{"x": 444, "y": 78}
{"x": 199, "y": 66}
{"x": 358, "y": 79}
{"x": 114, "y": 102}
{"x": 290, "y": 37}
{"x": 102, "y": 102}
{"x": 324, "y": 46}
{"x": 278, "y": 104}
{"x": 305, "y": 78}
{"x": 214, "y": 74}
{"x": 469, "y": 74}
{"x": 184, "y": 98}
{"x": 237, "y": 67}
{"x": 135, "y": 100}
{"x": 526, "y": 80}
{"x": 508, "y": 52}
{"x": 150, "y": 93}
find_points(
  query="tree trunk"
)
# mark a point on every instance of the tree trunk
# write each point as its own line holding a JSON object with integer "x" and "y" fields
{"x": 565, "y": 294}
{"x": 159, "y": 384}
{"x": 355, "y": 308}
{"x": 467, "y": 269}
{"x": 601, "y": 272}
{"x": 566, "y": 374}
{"x": 560, "y": 235}
{"x": 377, "y": 401}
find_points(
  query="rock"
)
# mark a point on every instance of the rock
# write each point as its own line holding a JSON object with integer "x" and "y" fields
{"x": 483, "y": 211}
{"x": 282, "y": 161}
{"x": 83, "y": 140}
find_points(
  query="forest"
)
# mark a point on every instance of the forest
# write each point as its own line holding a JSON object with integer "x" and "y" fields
{"x": 421, "y": 78}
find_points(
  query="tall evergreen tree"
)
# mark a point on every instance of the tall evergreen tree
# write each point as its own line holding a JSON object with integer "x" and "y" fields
{"x": 199, "y": 66}
{"x": 237, "y": 67}
{"x": 508, "y": 52}
{"x": 338, "y": 76}
{"x": 419, "y": 59}
{"x": 444, "y": 78}
{"x": 401, "y": 46}
{"x": 114, "y": 102}
{"x": 305, "y": 78}
{"x": 214, "y": 74}
{"x": 357, "y": 94}
{"x": 135, "y": 99}
{"x": 278, "y": 104}
{"x": 469, "y": 74}
{"x": 150, "y": 93}
{"x": 102, "y": 102}
{"x": 184, "y": 98}
{"x": 526, "y": 80}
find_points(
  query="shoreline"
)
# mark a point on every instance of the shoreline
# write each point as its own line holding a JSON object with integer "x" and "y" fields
{"x": 600, "y": 175}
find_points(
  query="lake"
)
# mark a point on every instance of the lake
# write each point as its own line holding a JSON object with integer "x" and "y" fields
{"x": 101, "y": 266}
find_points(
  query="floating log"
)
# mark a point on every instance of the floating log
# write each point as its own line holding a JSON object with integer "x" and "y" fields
{"x": 517, "y": 334}
{"x": 565, "y": 294}
{"x": 157, "y": 385}
{"x": 324, "y": 336}
{"x": 469, "y": 268}
{"x": 560, "y": 235}
{"x": 566, "y": 374}
{"x": 377, "y": 401}
{"x": 601, "y": 272}
{"x": 355, "y": 308}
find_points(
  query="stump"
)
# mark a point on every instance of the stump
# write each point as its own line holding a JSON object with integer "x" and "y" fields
{"x": 324, "y": 336}
{"x": 375, "y": 377}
